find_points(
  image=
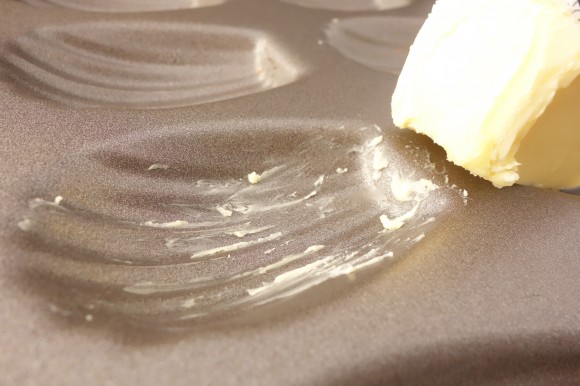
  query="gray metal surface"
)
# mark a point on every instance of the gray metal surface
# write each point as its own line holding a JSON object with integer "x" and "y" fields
{"x": 289, "y": 281}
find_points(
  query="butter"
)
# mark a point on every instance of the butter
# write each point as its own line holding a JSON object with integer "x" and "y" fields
{"x": 496, "y": 84}
{"x": 405, "y": 190}
{"x": 254, "y": 178}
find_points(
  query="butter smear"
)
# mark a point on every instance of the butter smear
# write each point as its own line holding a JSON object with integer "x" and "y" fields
{"x": 496, "y": 84}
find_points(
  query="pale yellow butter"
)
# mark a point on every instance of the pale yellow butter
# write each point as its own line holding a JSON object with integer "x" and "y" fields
{"x": 495, "y": 83}
{"x": 254, "y": 178}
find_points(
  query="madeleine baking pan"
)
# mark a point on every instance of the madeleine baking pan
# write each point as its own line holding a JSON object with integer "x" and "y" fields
{"x": 136, "y": 250}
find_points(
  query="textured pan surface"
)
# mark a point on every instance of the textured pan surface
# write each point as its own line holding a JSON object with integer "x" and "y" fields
{"x": 162, "y": 264}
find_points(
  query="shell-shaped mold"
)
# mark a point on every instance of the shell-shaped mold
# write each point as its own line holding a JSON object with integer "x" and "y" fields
{"x": 173, "y": 231}
{"x": 147, "y": 65}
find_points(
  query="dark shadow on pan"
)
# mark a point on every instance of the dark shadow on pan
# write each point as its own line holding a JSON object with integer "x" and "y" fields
{"x": 535, "y": 359}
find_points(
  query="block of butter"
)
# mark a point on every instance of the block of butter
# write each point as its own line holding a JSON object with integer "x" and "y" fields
{"x": 496, "y": 84}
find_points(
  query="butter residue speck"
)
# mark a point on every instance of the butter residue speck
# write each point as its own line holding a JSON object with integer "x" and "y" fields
{"x": 235, "y": 247}
{"x": 254, "y": 178}
{"x": 406, "y": 190}
{"x": 25, "y": 225}
{"x": 224, "y": 212}
{"x": 375, "y": 141}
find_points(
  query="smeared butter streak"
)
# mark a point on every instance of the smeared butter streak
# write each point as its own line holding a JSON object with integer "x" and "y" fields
{"x": 244, "y": 232}
{"x": 428, "y": 221}
{"x": 150, "y": 287}
{"x": 375, "y": 260}
{"x": 195, "y": 236}
{"x": 375, "y": 141}
{"x": 58, "y": 310}
{"x": 406, "y": 190}
{"x": 188, "y": 303}
{"x": 299, "y": 279}
{"x": 237, "y": 204}
{"x": 158, "y": 166}
{"x": 319, "y": 181}
{"x": 288, "y": 259}
{"x": 380, "y": 160}
{"x": 392, "y": 224}
{"x": 268, "y": 182}
{"x": 284, "y": 280}
{"x": 35, "y": 203}
{"x": 418, "y": 238}
{"x": 173, "y": 224}
{"x": 146, "y": 288}
{"x": 258, "y": 208}
{"x": 235, "y": 247}
{"x": 324, "y": 206}
{"x": 224, "y": 212}
{"x": 211, "y": 186}
{"x": 350, "y": 269}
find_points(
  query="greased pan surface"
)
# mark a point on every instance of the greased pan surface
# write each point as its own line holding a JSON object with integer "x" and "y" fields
{"x": 134, "y": 249}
